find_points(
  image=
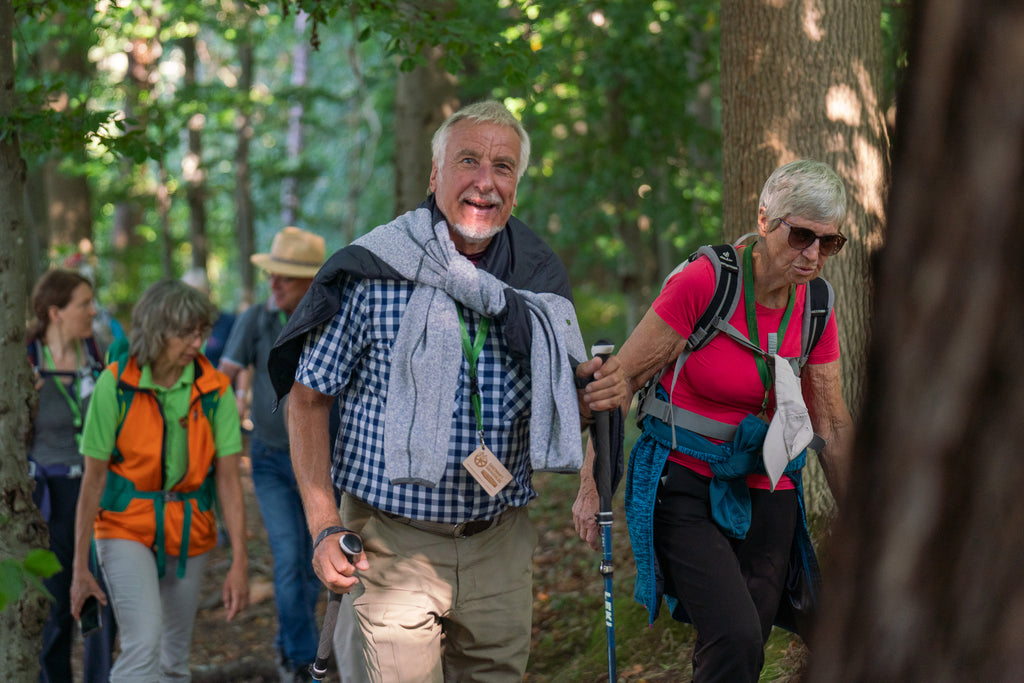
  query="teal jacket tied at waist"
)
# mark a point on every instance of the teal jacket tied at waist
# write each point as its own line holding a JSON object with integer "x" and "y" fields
{"x": 730, "y": 509}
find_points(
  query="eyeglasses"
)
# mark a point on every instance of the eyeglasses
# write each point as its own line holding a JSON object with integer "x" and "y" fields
{"x": 200, "y": 333}
{"x": 801, "y": 238}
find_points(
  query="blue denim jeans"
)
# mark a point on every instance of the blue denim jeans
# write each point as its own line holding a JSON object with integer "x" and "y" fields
{"x": 296, "y": 586}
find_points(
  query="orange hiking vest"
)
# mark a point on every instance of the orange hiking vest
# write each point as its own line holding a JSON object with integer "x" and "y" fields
{"x": 137, "y": 504}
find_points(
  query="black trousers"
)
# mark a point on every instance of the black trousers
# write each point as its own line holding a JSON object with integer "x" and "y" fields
{"x": 58, "y": 632}
{"x": 730, "y": 587}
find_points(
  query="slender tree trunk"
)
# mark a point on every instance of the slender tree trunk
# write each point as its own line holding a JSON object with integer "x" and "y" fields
{"x": 928, "y": 555}
{"x": 293, "y": 138}
{"x": 639, "y": 240}
{"x": 67, "y": 194}
{"x": 365, "y": 123}
{"x": 193, "y": 170}
{"x": 21, "y": 526}
{"x": 804, "y": 80}
{"x": 142, "y": 54}
{"x": 163, "y": 212}
{"x": 245, "y": 224}
{"x": 424, "y": 98}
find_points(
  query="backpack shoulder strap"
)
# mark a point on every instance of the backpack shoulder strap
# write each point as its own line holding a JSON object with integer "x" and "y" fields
{"x": 725, "y": 262}
{"x": 92, "y": 350}
{"x": 819, "y": 300}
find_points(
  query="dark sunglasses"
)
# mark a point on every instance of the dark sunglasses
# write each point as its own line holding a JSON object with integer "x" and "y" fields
{"x": 801, "y": 238}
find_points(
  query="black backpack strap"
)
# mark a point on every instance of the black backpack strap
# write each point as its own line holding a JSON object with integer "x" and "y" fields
{"x": 723, "y": 302}
{"x": 818, "y": 303}
{"x": 92, "y": 350}
{"x": 726, "y": 264}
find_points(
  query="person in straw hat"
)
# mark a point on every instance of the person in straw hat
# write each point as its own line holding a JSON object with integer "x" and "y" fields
{"x": 295, "y": 257}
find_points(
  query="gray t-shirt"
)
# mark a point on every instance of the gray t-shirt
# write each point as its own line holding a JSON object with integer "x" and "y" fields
{"x": 250, "y": 341}
{"x": 53, "y": 430}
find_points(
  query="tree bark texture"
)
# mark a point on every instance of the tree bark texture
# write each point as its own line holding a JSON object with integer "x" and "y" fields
{"x": 804, "y": 80}
{"x": 290, "y": 211}
{"x": 424, "y": 98}
{"x": 245, "y": 215}
{"x": 928, "y": 554}
{"x": 21, "y": 524}
{"x": 69, "y": 207}
{"x": 193, "y": 169}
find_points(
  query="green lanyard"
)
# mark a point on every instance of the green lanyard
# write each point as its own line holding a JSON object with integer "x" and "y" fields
{"x": 76, "y": 410}
{"x": 471, "y": 350}
{"x": 282, "y": 317}
{"x": 748, "y": 302}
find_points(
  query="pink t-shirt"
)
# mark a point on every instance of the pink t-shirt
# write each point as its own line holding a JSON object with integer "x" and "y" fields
{"x": 721, "y": 380}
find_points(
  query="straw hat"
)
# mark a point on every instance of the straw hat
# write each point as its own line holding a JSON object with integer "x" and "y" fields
{"x": 293, "y": 253}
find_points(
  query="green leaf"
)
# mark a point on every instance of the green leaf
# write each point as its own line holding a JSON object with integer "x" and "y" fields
{"x": 42, "y": 563}
{"x": 11, "y": 583}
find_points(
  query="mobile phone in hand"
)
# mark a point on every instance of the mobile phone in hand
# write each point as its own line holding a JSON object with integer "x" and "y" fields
{"x": 89, "y": 619}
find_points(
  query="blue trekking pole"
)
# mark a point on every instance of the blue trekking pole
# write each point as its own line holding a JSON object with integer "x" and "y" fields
{"x": 351, "y": 545}
{"x": 601, "y": 434}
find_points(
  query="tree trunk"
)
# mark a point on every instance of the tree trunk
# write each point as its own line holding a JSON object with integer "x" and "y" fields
{"x": 424, "y": 98}
{"x": 364, "y": 123}
{"x": 193, "y": 170}
{"x": 926, "y": 585}
{"x": 245, "y": 221}
{"x": 68, "y": 197}
{"x": 142, "y": 55}
{"x": 804, "y": 81}
{"x": 70, "y": 205}
{"x": 21, "y": 526}
{"x": 293, "y": 137}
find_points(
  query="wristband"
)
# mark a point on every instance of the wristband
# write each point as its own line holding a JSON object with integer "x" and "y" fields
{"x": 330, "y": 531}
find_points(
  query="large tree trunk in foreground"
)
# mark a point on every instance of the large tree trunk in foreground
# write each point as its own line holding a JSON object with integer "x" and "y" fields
{"x": 927, "y": 583}
{"x": 21, "y": 526}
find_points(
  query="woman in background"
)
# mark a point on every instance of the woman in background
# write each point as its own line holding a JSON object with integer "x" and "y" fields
{"x": 66, "y": 363}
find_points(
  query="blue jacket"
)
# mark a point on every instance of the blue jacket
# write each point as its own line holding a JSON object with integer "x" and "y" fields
{"x": 730, "y": 501}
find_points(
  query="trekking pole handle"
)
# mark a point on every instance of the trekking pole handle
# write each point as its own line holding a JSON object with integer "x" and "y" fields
{"x": 352, "y": 546}
{"x": 602, "y": 348}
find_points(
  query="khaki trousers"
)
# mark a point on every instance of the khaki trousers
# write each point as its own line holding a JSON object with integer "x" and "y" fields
{"x": 435, "y": 608}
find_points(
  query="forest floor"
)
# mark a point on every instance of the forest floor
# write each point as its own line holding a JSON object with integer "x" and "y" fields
{"x": 569, "y": 636}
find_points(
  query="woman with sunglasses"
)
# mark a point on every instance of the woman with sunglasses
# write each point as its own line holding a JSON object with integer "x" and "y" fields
{"x": 725, "y": 543}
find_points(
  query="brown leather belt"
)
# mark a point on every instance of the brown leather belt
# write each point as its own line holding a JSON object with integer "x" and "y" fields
{"x": 460, "y": 530}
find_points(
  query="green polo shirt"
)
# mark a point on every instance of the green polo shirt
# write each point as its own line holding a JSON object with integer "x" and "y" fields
{"x": 100, "y": 431}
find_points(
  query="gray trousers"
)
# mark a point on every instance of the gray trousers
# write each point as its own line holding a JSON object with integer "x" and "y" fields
{"x": 154, "y": 616}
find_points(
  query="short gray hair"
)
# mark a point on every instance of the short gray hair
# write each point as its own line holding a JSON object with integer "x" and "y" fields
{"x": 166, "y": 309}
{"x": 806, "y": 188}
{"x": 488, "y": 111}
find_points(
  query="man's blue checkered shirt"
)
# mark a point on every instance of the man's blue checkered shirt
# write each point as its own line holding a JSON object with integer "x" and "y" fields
{"x": 350, "y": 356}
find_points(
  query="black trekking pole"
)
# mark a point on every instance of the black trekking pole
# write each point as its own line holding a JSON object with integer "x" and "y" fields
{"x": 601, "y": 435}
{"x": 352, "y": 546}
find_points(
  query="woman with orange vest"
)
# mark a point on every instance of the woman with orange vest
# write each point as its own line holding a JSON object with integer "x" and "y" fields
{"x": 162, "y": 443}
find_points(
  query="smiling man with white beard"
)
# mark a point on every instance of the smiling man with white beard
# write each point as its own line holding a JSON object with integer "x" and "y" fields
{"x": 451, "y": 339}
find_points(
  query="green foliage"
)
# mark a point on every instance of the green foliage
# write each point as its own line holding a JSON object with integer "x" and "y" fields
{"x": 463, "y": 29}
{"x": 623, "y": 113}
{"x": 15, "y": 575}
